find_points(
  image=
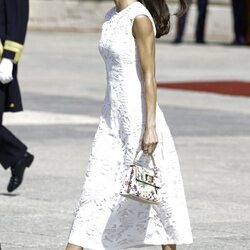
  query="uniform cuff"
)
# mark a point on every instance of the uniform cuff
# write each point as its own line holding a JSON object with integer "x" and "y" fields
{"x": 12, "y": 50}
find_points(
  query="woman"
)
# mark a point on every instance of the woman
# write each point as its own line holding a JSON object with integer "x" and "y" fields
{"x": 131, "y": 120}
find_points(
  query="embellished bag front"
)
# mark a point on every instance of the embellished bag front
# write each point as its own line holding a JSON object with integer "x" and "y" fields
{"x": 142, "y": 184}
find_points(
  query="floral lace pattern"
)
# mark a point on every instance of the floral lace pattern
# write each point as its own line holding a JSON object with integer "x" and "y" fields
{"x": 103, "y": 218}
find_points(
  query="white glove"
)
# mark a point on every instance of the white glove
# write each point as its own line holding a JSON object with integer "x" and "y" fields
{"x": 6, "y": 69}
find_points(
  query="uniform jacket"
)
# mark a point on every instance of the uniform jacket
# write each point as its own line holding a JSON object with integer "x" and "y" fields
{"x": 13, "y": 25}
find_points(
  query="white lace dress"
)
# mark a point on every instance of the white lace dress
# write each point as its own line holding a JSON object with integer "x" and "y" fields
{"x": 104, "y": 219}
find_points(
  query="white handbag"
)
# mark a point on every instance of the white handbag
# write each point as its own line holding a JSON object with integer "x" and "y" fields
{"x": 142, "y": 183}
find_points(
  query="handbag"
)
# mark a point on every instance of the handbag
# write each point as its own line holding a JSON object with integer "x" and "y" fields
{"x": 142, "y": 183}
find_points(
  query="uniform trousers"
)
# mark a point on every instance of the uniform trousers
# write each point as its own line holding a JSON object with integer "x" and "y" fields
{"x": 240, "y": 19}
{"x": 11, "y": 148}
{"x": 202, "y": 14}
{"x": 201, "y": 20}
{"x": 248, "y": 23}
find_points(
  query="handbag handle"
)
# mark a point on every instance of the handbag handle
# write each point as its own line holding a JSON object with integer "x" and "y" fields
{"x": 140, "y": 153}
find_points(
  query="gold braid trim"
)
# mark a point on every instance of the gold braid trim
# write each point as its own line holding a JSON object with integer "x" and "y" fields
{"x": 17, "y": 48}
{"x": 1, "y": 49}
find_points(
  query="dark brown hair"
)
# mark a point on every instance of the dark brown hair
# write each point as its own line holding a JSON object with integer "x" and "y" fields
{"x": 161, "y": 15}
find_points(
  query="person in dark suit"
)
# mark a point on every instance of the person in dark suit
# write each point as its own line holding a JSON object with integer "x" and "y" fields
{"x": 13, "y": 25}
{"x": 200, "y": 26}
{"x": 240, "y": 21}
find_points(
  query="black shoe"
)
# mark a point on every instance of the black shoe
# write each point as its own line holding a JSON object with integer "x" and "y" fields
{"x": 238, "y": 43}
{"x": 17, "y": 171}
{"x": 200, "y": 41}
{"x": 177, "y": 41}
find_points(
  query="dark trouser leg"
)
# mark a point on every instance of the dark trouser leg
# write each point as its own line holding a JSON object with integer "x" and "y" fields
{"x": 181, "y": 27}
{"x": 202, "y": 14}
{"x": 240, "y": 20}
{"x": 235, "y": 18}
{"x": 248, "y": 23}
{"x": 11, "y": 149}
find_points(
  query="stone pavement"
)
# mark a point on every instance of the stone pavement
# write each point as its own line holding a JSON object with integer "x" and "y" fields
{"x": 63, "y": 83}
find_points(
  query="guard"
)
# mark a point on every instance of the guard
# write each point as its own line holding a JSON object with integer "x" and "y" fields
{"x": 13, "y": 25}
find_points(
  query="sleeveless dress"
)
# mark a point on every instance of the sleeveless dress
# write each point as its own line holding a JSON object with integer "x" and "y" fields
{"x": 103, "y": 218}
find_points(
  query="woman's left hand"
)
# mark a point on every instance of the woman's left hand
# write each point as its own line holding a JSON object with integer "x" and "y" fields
{"x": 150, "y": 140}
